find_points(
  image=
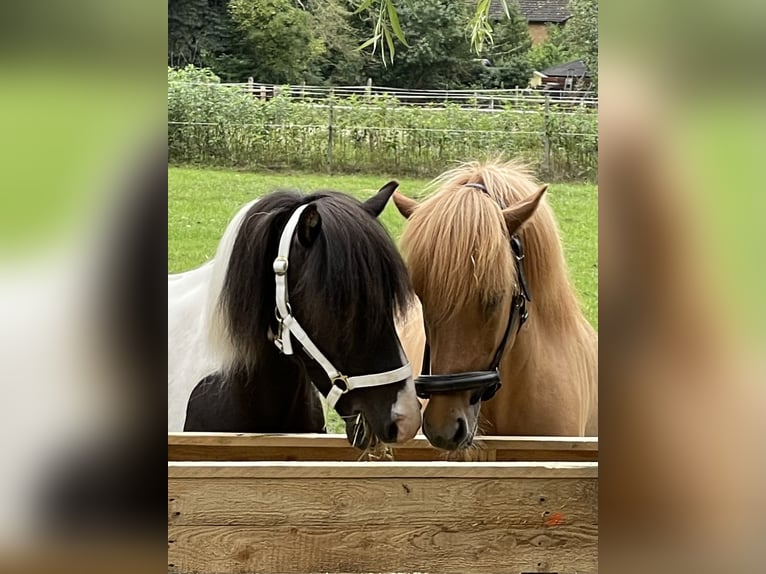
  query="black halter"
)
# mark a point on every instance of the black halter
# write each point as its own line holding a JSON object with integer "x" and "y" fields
{"x": 486, "y": 383}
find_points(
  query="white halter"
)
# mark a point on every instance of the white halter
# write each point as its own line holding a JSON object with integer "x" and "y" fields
{"x": 341, "y": 384}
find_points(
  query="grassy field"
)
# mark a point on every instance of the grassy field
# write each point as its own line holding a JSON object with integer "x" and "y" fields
{"x": 201, "y": 203}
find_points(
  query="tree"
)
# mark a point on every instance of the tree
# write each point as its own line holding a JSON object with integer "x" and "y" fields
{"x": 437, "y": 54}
{"x": 202, "y": 33}
{"x": 580, "y": 35}
{"x": 385, "y": 16}
{"x": 577, "y": 39}
{"x": 339, "y": 60}
{"x": 189, "y": 36}
{"x": 508, "y": 53}
{"x": 278, "y": 39}
{"x": 548, "y": 52}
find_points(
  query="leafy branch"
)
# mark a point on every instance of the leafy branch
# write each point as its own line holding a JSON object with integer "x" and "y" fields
{"x": 387, "y": 27}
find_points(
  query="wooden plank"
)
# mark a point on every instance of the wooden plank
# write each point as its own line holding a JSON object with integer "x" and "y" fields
{"x": 315, "y": 470}
{"x": 395, "y": 548}
{"x": 295, "y": 447}
{"x": 381, "y": 501}
{"x": 420, "y": 441}
{"x": 403, "y": 516}
{"x": 393, "y": 524}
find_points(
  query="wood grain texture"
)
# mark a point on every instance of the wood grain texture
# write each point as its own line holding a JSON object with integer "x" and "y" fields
{"x": 245, "y": 447}
{"x": 338, "y": 470}
{"x": 387, "y": 523}
{"x": 308, "y": 506}
{"x": 382, "y": 502}
{"x": 394, "y": 548}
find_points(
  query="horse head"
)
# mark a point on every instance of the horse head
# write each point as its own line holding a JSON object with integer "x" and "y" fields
{"x": 317, "y": 278}
{"x": 464, "y": 247}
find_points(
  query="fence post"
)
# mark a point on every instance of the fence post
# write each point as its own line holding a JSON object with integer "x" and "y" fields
{"x": 368, "y": 89}
{"x": 546, "y": 137}
{"x": 330, "y": 129}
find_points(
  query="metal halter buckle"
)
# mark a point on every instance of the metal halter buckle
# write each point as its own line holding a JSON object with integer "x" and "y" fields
{"x": 278, "y": 338}
{"x": 280, "y": 265}
{"x": 517, "y": 248}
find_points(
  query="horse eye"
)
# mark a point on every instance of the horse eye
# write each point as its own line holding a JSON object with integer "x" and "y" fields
{"x": 492, "y": 302}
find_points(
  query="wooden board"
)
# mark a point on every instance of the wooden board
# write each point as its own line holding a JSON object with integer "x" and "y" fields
{"x": 296, "y": 447}
{"x": 505, "y": 517}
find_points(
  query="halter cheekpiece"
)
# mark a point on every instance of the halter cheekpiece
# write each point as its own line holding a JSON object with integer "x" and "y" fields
{"x": 340, "y": 383}
{"x": 485, "y": 383}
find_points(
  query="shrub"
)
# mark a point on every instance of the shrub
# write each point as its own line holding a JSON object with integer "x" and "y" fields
{"x": 222, "y": 125}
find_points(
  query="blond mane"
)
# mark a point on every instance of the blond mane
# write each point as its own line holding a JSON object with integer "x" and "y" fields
{"x": 457, "y": 245}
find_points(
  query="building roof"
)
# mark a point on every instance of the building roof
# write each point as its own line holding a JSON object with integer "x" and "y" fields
{"x": 574, "y": 68}
{"x": 535, "y": 10}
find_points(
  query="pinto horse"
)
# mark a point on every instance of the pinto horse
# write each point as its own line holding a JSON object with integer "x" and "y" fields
{"x": 501, "y": 318}
{"x": 301, "y": 295}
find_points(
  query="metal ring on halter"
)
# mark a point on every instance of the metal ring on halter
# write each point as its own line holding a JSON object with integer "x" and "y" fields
{"x": 289, "y": 311}
{"x": 341, "y": 382}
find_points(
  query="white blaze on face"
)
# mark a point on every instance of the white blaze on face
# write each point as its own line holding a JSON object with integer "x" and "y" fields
{"x": 406, "y": 410}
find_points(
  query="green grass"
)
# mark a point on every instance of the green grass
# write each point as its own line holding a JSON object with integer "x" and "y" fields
{"x": 201, "y": 202}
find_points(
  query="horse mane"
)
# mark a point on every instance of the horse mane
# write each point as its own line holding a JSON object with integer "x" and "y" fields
{"x": 469, "y": 256}
{"x": 352, "y": 275}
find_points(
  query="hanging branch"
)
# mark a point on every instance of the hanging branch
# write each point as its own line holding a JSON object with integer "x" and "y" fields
{"x": 387, "y": 27}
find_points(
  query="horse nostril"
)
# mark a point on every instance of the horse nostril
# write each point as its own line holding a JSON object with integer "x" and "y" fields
{"x": 390, "y": 433}
{"x": 461, "y": 432}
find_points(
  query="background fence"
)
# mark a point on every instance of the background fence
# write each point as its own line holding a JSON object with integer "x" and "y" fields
{"x": 466, "y": 97}
{"x": 347, "y": 130}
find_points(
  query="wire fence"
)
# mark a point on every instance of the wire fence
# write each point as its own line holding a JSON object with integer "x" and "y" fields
{"x": 471, "y": 98}
{"x": 224, "y": 125}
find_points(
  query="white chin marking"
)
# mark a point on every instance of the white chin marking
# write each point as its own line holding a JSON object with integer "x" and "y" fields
{"x": 406, "y": 399}
{"x": 406, "y": 410}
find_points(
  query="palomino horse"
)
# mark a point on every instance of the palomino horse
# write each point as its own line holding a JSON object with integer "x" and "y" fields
{"x": 302, "y": 290}
{"x": 484, "y": 253}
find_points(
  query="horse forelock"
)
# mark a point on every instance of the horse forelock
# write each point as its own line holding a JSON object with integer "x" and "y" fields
{"x": 458, "y": 249}
{"x": 355, "y": 275}
{"x": 352, "y": 276}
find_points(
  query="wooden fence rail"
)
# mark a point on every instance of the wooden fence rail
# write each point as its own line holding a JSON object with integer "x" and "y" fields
{"x": 328, "y": 447}
{"x": 299, "y": 514}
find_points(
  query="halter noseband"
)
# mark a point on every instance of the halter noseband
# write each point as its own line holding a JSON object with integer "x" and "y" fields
{"x": 340, "y": 383}
{"x": 488, "y": 382}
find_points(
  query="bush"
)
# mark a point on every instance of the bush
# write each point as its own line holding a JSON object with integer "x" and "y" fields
{"x": 214, "y": 124}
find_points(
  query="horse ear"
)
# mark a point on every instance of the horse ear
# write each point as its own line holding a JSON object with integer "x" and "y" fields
{"x": 405, "y": 205}
{"x": 309, "y": 225}
{"x": 516, "y": 216}
{"x": 375, "y": 205}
